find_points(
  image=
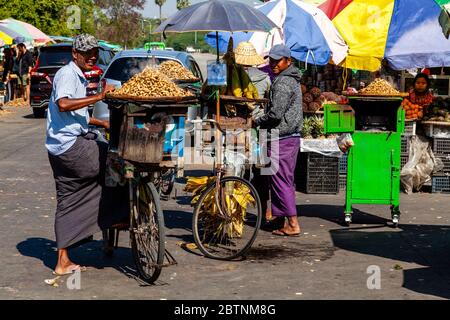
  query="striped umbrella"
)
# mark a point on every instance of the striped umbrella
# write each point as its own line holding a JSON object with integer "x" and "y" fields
{"x": 404, "y": 32}
{"x": 8, "y": 35}
{"x": 305, "y": 29}
{"x": 24, "y": 30}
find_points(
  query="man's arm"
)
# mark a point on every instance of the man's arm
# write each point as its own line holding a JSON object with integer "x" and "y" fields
{"x": 280, "y": 103}
{"x": 66, "y": 104}
{"x": 99, "y": 123}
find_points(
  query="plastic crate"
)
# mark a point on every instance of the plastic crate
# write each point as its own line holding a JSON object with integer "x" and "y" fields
{"x": 318, "y": 174}
{"x": 434, "y": 130}
{"x": 403, "y": 160}
{"x": 342, "y": 182}
{"x": 410, "y": 128}
{"x": 343, "y": 164}
{"x": 405, "y": 145}
{"x": 441, "y": 146}
{"x": 446, "y": 161}
{"x": 440, "y": 184}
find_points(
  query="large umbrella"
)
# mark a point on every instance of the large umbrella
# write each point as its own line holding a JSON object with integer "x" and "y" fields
{"x": 25, "y": 30}
{"x": 444, "y": 18}
{"x": 302, "y": 27}
{"x": 61, "y": 39}
{"x": 217, "y": 15}
{"x": 8, "y": 35}
{"x": 404, "y": 32}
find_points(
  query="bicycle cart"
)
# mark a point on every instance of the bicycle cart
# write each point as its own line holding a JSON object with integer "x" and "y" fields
{"x": 137, "y": 136}
{"x": 227, "y": 213}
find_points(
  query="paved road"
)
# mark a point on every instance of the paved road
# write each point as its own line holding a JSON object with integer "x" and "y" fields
{"x": 202, "y": 60}
{"x": 328, "y": 261}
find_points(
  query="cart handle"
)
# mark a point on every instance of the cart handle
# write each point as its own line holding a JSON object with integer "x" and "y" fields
{"x": 214, "y": 122}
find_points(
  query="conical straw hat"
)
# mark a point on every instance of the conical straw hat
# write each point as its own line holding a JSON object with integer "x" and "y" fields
{"x": 246, "y": 54}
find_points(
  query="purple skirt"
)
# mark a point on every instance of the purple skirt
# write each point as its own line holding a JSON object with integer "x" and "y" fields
{"x": 282, "y": 185}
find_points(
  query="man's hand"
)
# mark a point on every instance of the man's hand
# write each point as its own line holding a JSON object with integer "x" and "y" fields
{"x": 107, "y": 88}
{"x": 106, "y": 125}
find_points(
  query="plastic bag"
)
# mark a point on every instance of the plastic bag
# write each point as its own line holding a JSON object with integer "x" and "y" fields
{"x": 326, "y": 147}
{"x": 421, "y": 165}
{"x": 345, "y": 142}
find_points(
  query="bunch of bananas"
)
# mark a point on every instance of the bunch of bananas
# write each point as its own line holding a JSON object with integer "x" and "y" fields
{"x": 240, "y": 84}
{"x": 237, "y": 197}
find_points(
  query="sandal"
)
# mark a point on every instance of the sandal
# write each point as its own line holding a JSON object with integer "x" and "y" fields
{"x": 72, "y": 271}
{"x": 282, "y": 233}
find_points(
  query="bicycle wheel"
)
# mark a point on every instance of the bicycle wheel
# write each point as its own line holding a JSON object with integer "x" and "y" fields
{"x": 147, "y": 231}
{"x": 230, "y": 236}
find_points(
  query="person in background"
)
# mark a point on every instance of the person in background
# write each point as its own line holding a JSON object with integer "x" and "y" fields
{"x": 245, "y": 55}
{"x": 421, "y": 94}
{"x": 283, "y": 119}
{"x": 8, "y": 63}
{"x": 26, "y": 63}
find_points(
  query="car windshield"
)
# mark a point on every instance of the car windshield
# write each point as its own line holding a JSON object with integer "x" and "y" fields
{"x": 55, "y": 57}
{"x": 123, "y": 69}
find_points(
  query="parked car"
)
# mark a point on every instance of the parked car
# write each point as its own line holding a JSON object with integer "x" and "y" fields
{"x": 52, "y": 58}
{"x": 190, "y": 50}
{"x": 126, "y": 64}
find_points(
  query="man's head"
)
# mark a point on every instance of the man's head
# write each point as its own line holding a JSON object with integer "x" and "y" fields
{"x": 85, "y": 51}
{"x": 22, "y": 47}
{"x": 279, "y": 58}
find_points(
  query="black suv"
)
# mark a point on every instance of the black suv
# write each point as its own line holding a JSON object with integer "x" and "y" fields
{"x": 50, "y": 60}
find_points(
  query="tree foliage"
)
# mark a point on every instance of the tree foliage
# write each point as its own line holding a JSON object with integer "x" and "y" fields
{"x": 120, "y": 21}
{"x": 182, "y": 4}
{"x": 50, "y": 16}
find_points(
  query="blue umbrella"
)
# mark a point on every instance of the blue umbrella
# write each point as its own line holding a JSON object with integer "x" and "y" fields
{"x": 305, "y": 29}
{"x": 217, "y": 15}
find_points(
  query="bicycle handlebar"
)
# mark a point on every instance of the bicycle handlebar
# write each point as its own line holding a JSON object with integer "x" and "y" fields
{"x": 214, "y": 122}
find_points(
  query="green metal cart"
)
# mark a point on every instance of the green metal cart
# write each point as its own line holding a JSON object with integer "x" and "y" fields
{"x": 373, "y": 171}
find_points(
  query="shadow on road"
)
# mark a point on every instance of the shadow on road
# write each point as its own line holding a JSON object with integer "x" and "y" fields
{"x": 89, "y": 254}
{"x": 427, "y": 245}
{"x": 335, "y": 214}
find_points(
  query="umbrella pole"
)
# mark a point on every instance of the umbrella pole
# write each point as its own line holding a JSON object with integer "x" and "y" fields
{"x": 218, "y": 133}
{"x": 217, "y": 45}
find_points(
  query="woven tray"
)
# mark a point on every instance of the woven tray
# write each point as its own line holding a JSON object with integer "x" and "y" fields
{"x": 400, "y": 95}
{"x": 180, "y": 81}
{"x": 156, "y": 100}
{"x": 242, "y": 99}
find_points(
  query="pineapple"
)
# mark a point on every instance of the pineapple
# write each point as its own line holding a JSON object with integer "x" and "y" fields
{"x": 317, "y": 127}
{"x": 306, "y": 129}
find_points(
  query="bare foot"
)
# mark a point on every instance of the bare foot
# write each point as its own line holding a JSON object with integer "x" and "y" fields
{"x": 291, "y": 226}
{"x": 66, "y": 269}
